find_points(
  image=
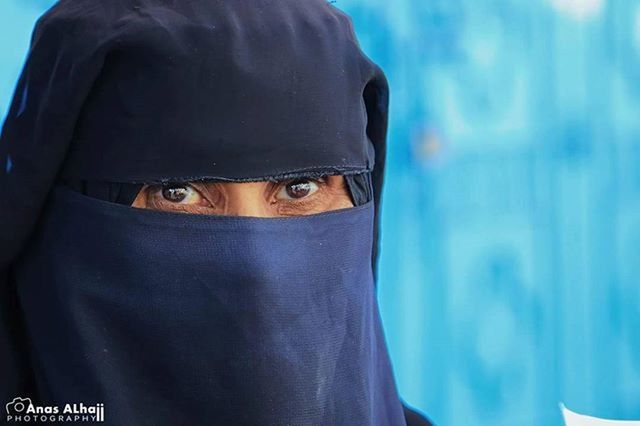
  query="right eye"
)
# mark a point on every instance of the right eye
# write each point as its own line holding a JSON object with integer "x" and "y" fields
{"x": 298, "y": 189}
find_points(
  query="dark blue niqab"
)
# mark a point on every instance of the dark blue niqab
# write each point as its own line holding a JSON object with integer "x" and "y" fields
{"x": 172, "y": 319}
{"x": 175, "y": 319}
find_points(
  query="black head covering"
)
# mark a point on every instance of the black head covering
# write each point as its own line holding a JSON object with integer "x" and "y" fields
{"x": 153, "y": 91}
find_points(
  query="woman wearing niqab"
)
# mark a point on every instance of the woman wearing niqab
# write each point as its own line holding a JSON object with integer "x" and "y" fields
{"x": 216, "y": 317}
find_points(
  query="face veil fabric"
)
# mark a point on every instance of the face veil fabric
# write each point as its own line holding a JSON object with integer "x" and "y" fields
{"x": 233, "y": 320}
{"x": 178, "y": 319}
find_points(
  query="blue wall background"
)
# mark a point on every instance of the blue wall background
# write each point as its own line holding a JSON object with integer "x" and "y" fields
{"x": 511, "y": 250}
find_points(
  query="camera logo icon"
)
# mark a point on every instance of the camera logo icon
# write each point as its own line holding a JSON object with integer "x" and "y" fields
{"x": 18, "y": 406}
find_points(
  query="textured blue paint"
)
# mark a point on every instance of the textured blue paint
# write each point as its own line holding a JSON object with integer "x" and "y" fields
{"x": 509, "y": 276}
{"x": 511, "y": 250}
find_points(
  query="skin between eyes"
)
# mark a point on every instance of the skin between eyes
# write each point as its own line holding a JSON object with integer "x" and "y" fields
{"x": 254, "y": 199}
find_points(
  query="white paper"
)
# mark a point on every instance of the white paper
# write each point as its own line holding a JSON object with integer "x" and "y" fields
{"x": 575, "y": 419}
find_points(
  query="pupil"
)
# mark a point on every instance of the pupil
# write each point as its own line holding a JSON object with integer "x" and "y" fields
{"x": 298, "y": 189}
{"x": 175, "y": 194}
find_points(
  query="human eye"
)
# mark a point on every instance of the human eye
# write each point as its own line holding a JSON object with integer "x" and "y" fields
{"x": 298, "y": 189}
{"x": 178, "y": 195}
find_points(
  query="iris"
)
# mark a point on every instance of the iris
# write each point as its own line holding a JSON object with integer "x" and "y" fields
{"x": 177, "y": 193}
{"x": 299, "y": 189}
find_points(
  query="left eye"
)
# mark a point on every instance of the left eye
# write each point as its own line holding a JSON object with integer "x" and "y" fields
{"x": 181, "y": 194}
{"x": 297, "y": 189}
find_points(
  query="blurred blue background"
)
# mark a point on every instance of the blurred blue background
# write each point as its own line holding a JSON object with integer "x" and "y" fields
{"x": 510, "y": 274}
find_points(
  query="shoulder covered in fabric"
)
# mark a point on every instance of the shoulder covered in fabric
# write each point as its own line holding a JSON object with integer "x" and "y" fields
{"x": 414, "y": 417}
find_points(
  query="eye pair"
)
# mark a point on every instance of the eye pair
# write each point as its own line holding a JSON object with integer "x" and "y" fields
{"x": 187, "y": 194}
{"x": 294, "y": 197}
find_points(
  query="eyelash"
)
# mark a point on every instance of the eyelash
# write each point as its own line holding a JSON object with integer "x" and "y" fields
{"x": 156, "y": 199}
{"x": 300, "y": 201}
